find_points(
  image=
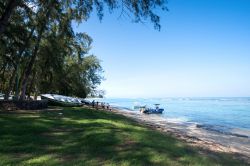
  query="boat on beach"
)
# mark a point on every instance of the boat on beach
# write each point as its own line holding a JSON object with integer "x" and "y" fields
{"x": 60, "y": 100}
{"x": 155, "y": 110}
{"x": 1, "y": 96}
{"x": 136, "y": 107}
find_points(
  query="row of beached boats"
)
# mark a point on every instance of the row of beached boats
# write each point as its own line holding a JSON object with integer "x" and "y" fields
{"x": 60, "y": 100}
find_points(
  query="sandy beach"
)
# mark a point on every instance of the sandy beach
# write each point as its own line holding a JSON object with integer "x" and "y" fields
{"x": 194, "y": 135}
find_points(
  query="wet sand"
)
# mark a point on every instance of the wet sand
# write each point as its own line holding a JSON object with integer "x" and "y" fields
{"x": 194, "y": 135}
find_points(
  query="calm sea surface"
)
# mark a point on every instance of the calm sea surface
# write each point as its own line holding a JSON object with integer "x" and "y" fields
{"x": 220, "y": 114}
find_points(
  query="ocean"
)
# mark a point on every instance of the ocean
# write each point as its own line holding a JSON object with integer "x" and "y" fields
{"x": 217, "y": 114}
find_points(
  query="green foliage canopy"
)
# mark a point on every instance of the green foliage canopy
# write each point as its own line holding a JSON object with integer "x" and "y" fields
{"x": 40, "y": 52}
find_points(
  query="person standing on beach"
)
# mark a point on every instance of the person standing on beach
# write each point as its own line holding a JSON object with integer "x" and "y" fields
{"x": 93, "y": 103}
{"x": 97, "y": 103}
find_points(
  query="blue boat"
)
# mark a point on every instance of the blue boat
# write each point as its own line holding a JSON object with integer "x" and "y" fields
{"x": 155, "y": 110}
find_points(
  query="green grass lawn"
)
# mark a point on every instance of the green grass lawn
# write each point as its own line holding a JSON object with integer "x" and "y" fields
{"x": 89, "y": 137}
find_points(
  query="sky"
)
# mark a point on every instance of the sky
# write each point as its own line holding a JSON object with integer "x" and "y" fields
{"x": 202, "y": 50}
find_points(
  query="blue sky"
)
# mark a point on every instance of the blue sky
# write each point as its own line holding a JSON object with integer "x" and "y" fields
{"x": 203, "y": 49}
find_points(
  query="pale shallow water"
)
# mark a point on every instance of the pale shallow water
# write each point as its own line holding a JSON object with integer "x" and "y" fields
{"x": 225, "y": 115}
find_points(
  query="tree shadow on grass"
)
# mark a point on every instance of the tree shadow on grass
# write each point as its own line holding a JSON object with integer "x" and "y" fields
{"x": 87, "y": 137}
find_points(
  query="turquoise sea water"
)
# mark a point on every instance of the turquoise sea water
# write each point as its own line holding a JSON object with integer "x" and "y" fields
{"x": 219, "y": 114}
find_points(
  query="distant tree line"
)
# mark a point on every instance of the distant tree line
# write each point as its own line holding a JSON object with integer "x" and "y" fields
{"x": 41, "y": 53}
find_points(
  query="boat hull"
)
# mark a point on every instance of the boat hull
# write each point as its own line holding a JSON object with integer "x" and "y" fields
{"x": 152, "y": 111}
{"x": 55, "y": 102}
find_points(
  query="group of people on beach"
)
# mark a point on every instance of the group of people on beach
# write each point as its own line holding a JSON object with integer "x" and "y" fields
{"x": 103, "y": 105}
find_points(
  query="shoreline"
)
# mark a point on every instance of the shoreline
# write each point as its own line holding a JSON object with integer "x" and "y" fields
{"x": 194, "y": 135}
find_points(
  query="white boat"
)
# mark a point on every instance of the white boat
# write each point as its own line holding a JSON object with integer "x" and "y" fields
{"x": 60, "y": 100}
{"x": 1, "y": 96}
{"x": 139, "y": 107}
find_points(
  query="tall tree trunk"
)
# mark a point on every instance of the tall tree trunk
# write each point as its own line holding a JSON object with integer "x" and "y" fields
{"x": 32, "y": 82}
{"x": 28, "y": 70}
{"x": 30, "y": 66}
{"x": 21, "y": 51}
{"x": 2, "y": 81}
{"x": 10, "y": 87}
{"x": 11, "y": 5}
